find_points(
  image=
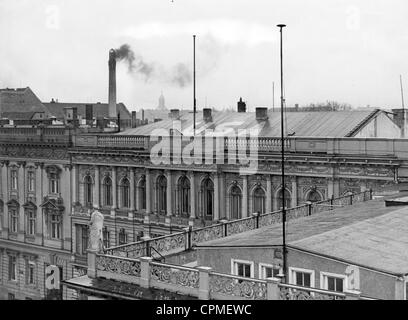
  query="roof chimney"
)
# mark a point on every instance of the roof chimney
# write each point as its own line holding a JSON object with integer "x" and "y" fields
{"x": 241, "y": 105}
{"x": 261, "y": 113}
{"x": 207, "y": 114}
{"x": 175, "y": 113}
{"x": 112, "y": 83}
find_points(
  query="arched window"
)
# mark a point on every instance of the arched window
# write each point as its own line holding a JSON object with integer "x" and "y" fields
{"x": 259, "y": 200}
{"x": 88, "y": 190}
{"x": 207, "y": 199}
{"x": 161, "y": 194}
{"x": 314, "y": 196}
{"x": 235, "y": 202}
{"x": 184, "y": 196}
{"x": 287, "y": 199}
{"x": 107, "y": 191}
{"x": 125, "y": 193}
{"x": 142, "y": 194}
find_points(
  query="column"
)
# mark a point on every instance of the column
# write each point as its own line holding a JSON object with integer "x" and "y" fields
{"x": 148, "y": 192}
{"x": 114, "y": 192}
{"x": 216, "y": 197}
{"x": 192, "y": 195}
{"x": 223, "y": 201}
{"x": 245, "y": 196}
{"x": 169, "y": 194}
{"x": 38, "y": 198}
{"x": 268, "y": 205}
{"x": 74, "y": 178}
{"x": 96, "y": 192}
{"x": 294, "y": 192}
{"x": 4, "y": 189}
{"x": 132, "y": 189}
{"x": 21, "y": 199}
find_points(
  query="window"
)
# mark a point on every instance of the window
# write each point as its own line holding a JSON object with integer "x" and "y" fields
{"x": 55, "y": 226}
{"x": 242, "y": 268}
{"x": 142, "y": 194}
{"x": 332, "y": 282}
{"x": 30, "y": 272}
{"x": 84, "y": 239}
{"x": 161, "y": 192}
{"x": 184, "y": 196}
{"x": 235, "y": 206}
{"x": 13, "y": 219}
{"x": 314, "y": 196}
{"x": 31, "y": 181}
{"x": 287, "y": 199}
{"x": 125, "y": 193}
{"x": 31, "y": 222}
{"x": 11, "y": 296}
{"x": 54, "y": 183}
{"x": 268, "y": 271}
{"x": 88, "y": 192}
{"x": 207, "y": 199}
{"x": 259, "y": 200}
{"x": 106, "y": 237}
{"x": 14, "y": 179}
{"x": 12, "y": 270}
{"x": 107, "y": 191}
{"x": 122, "y": 237}
{"x": 301, "y": 277}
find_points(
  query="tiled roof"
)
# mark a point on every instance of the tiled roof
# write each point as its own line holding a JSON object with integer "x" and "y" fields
{"x": 19, "y": 101}
{"x": 99, "y": 109}
{"x": 312, "y": 124}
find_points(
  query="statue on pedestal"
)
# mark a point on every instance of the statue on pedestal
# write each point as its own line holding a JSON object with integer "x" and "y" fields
{"x": 95, "y": 230}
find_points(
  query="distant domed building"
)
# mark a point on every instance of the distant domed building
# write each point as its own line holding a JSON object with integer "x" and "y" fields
{"x": 162, "y": 105}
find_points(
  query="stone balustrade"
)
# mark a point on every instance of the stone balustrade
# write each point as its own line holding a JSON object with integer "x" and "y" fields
{"x": 203, "y": 282}
{"x": 178, "y": 242}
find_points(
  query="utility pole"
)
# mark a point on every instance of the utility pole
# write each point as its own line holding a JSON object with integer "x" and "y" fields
{"x": 273, "y": 96}
{"x": 281, "y": 26}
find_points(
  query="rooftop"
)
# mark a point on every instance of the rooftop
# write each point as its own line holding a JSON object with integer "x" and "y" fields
{"x": 311, "y": 124}
{"x": 368, "y": 233}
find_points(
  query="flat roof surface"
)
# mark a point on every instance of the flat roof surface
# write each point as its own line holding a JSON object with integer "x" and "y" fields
{"x": 367, "y": 233}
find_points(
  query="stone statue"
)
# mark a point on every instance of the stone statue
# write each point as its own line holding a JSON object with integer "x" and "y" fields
{"x": 95, "y": 228}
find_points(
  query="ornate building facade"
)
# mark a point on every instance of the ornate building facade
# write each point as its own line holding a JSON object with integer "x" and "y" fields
{"x": 51, "y": 177}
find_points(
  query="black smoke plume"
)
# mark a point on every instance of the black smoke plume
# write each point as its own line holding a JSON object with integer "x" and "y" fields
{"x": 180, "y": 75}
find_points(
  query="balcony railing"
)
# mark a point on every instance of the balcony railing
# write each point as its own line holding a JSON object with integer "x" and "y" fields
{"x": 179, "y": 242}
{"x": 203, "y": 282}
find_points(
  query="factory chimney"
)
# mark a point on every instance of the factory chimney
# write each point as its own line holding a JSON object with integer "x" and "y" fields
{"x": 112, "y": 84}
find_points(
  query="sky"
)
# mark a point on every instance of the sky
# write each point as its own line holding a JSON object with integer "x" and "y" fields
{"x": 339, "y": 50}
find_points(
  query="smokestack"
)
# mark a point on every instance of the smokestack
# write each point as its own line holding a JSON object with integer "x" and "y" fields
{"x": 112, "y": 83}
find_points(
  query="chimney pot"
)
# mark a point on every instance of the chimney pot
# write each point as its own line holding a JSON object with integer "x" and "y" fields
{"x": 175, "y": 113}
{"x": 207, "y": 114}
{"x": 261, "y": 113}
{"x": 241, "y": 105}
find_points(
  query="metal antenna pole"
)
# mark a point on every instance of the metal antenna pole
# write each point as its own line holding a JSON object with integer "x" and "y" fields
{"x": 281, "y": 26}
{"x": 403, "y": 109}
{"x": 194, "y": 87}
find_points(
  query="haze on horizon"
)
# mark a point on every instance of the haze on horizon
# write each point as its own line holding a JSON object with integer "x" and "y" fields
{"x": 341, "y": 50}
